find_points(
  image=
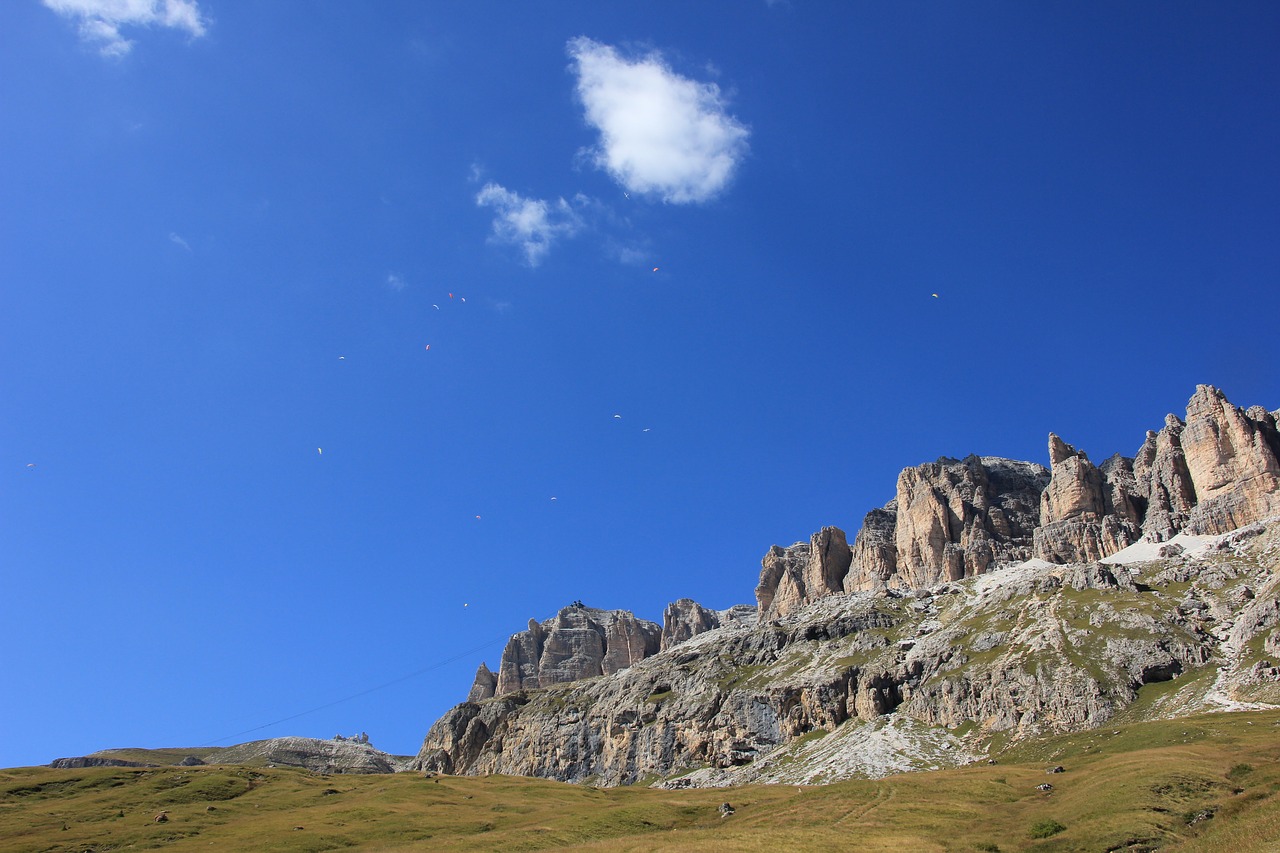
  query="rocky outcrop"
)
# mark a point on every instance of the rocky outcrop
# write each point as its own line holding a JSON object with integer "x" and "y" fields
{"x": 484, "y": 686}
{"x": 319, "y": 756}
{"x": 875, "y": 551}
{"x": 950, "y": 519}
{"x": 795, "y": 576}
{"x": 1160, "y": 470}
{"x": 94, "y": 761}
{"x": 685, "y": 619}
{"x": 1086, "y": 512}
{"x": 1232, "y": 456}
{"x": 578, "y": 642}
{"x": 957, "y": 518}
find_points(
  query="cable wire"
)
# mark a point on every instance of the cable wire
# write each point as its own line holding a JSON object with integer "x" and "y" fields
{"x": 414, "y": 674}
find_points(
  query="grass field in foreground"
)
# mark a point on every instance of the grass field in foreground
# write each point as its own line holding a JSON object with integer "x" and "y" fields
{"x": 1131, "y": 787}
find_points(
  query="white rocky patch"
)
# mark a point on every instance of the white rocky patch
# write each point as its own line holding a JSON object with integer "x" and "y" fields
{"x": 1184, "y": 544}
{"x": 855, "y": 750}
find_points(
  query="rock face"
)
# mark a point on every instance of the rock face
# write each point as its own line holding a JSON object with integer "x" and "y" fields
{"x": 956, "y": 518}
{"x": 685, "y": 619}
{"x": 1232, "y": 457}
{"x": 1160, "y": 470}
{"x": 950, "y": 519}
{"x": 484, "y": 686}
{"x": 795, "y": 576}
{"x": 1086, "y": 512}
{"x": 875, "y": 551}
{"x": 578, "y": 642}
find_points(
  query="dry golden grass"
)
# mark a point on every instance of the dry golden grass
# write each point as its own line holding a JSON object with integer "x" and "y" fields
{"x": 1138, "y": 788}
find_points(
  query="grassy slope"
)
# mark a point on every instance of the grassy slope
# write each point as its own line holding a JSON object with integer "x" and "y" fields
{"x": 1140, "y": 785}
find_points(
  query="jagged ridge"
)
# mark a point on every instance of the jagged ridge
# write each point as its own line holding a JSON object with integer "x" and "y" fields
{"x": 838, "y": 642}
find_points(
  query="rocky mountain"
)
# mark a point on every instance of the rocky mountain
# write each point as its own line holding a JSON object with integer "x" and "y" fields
{"x": 990, "y": 599}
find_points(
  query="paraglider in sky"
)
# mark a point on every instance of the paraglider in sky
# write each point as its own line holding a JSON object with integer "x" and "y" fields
{"x": 342, "y": 358}
{"x": 646, "y": 429}
{"x": 427, "y": 347}
{"x": 619, "y": 417}
{"x": 32, "y": 465}
{"x": 655, "y": 269}
{"x": 320, "y": 451}
{"x": 935, "y": 296}
{"x": 477, "y": 518}
{"x": 435, "y": 306}
{"x": 450, "y": 295}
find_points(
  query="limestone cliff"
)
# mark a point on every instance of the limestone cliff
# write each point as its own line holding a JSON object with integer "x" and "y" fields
{"x": 957, "y": 518}
{"x": 1218, "y": 470}
{"x": 1160, "y": 470}
{"x": 1086, "y": 512}
{"x": 888, "y": 681}
{"x": 578, "y": 642}
{"x": 1232, "y": 458}
{"x": 795, "y": 576}
{"x": 950, "y": 519}
{"x": 685, "y": 619}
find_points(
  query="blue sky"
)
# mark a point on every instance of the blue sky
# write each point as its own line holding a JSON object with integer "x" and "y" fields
{"x": 225, "y": 229}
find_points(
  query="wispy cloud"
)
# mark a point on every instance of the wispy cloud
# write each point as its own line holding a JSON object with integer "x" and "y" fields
{"x": 530, "y": 223}
{"x": 660, "y": 133}
{"x": 100, "y": 21}
{"x": 395, "y": 281}
{"x": 177, "y": 240}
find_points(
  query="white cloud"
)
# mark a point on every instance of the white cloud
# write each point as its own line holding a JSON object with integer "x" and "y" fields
{"x": 177, "y": 240}
{"x": 660, "y": 133}
{"x": 100, "y": 20}
{"x": 395, "y": 281}
{"x": 530, "y": 223}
